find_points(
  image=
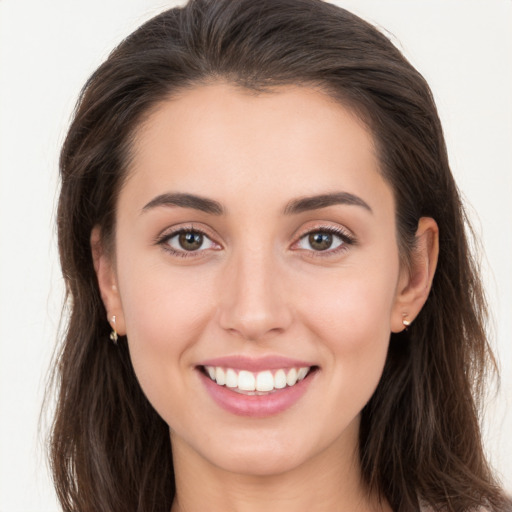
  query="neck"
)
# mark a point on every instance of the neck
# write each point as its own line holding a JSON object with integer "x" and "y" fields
{"x": 327, "y": 482}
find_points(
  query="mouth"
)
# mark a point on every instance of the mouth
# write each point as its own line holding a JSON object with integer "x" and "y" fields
{"x": 259, "y": 383}
{"x": 256, "y": 387}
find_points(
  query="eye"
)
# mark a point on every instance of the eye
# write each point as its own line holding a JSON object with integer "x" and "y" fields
{"x": 329, "y": 240}
{"x": 186, "y": 241}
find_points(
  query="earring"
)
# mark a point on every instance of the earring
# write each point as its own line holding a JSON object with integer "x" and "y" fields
{"x": 113, "y": 335}
{"x": 406, "y": 323}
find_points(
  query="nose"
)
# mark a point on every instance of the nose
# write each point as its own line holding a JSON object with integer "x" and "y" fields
{"x": 253, "y": 302}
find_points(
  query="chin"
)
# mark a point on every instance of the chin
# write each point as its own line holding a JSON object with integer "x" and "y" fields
{"x": 259, "y": 461}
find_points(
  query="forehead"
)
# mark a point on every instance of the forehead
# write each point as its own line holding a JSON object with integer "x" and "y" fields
{"x": 225, "y": 110}
{"x": 225, "y": 141}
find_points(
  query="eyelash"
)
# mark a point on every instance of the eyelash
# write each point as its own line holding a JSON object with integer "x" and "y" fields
{"x": 346, "y": 240}
{"x": 165, "y": 239}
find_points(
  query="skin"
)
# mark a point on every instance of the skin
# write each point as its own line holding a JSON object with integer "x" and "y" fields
{"x": 260, "y": 288}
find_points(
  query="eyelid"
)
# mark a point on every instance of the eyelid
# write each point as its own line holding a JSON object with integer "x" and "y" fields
{"x": 344, "y": 234}
{"x": 169, "y": 233}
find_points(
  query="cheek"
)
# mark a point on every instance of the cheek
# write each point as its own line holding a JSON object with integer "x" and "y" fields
{"x": 165, "y": 313}
{"x": 355, "y": 332}
{"x": 351, "y": 315}
{"x": 355, "y": 307}
{"x": 163, "y": 307}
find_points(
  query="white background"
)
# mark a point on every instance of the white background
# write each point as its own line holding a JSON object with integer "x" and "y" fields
{"x": 47, "y": 51}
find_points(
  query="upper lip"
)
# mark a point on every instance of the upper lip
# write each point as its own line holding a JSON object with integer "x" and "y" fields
{"x": 256, "y": 364}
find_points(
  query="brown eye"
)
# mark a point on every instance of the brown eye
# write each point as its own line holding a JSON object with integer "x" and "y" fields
{"x": 190, "y": 240}
{"x": 320, "y": 241}
{"x": 325, "y": 240}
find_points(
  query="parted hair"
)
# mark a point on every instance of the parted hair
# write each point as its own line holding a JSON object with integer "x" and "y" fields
{"x": 420, "y": 440}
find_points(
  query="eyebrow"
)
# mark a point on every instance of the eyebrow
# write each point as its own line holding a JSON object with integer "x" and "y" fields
{"x": 185, "y": 201}
{"x": 295, "y": 206}
{"x": 304, "y": 204}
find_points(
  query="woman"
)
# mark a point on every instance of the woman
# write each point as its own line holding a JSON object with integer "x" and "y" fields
{"x": 257, "y": 211}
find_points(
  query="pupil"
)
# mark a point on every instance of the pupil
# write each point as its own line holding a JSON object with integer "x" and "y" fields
{"x": 320, "y": 241}
{"x": 191, "y": 241}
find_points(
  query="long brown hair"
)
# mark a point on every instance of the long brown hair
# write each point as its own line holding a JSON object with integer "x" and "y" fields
{"x": 419, "y": 435}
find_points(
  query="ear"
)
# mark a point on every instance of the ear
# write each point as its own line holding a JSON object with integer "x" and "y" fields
{"x": 415, "y": 281}
{"x": 107, "y": 282}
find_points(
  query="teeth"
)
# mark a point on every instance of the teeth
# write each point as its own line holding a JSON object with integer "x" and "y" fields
{"x": 231, "y": 378}
{"x": 302, "y": 373}
{"x": 280, "y": 379}
{"x": 291, "y": 377}
{"x": 246, "y": 381}
{"x": 264, "y": 381}
{"x": 220, "y": 376}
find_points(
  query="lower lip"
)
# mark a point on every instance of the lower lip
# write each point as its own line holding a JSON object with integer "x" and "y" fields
{"x": 256, "y": 406}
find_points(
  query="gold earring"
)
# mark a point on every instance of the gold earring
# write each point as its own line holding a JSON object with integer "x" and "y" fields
{"x": 113, "y": 335}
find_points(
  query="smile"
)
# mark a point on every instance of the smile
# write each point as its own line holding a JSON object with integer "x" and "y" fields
{"x": 256, "y": 383}
{"x": 256, "y": 388}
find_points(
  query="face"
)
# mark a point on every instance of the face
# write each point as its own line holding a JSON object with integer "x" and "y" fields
{"x": 256, "y": 247}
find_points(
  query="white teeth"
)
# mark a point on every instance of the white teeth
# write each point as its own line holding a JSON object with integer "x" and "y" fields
{"x": 220, "y": 376}
{"x": 231, "y": 378}
{"x": 280, "y": 379}
{"x": 263, "y": 382}
{"x": 302, "y": 373}
{"x": 291, "y": 377}
{"x": 246, "y": 381}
